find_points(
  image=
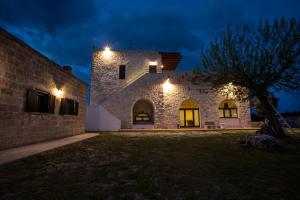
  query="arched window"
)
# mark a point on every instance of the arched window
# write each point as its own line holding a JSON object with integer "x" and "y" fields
{"x": 142, "y": 117}
{"x": 143, "y": 112}
{"x": 228, "y": 109}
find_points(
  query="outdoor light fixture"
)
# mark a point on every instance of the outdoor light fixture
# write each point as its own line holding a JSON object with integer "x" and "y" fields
{"x": 228, "y": 91}
{"x": 167, "y": 86}
{"x": 153, "y": 63}
{"x": 162, "y": 66}
{"x": 107, "y": 53}
{"x": 58, "y": 93}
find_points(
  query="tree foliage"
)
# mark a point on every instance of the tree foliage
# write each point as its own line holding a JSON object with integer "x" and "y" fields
{"x": 259, "y": 62}
{"x": 262, "y": 60}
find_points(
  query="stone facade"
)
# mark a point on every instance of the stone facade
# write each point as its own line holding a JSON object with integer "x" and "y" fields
{"x": 119, "y": 98}
{"x": 106, "y": 71}
{"x": 23, "y": 68}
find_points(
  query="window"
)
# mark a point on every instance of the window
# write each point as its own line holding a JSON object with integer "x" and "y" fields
{"x": 142, "y": 117}
{"x": 189, "y": 113}
{"x": 152, "y": 68}
{"x": 143, "y": 112}
{"x": 228, "y": 109}
{"x": 122, "y": 71}
{"x": 40, "y": 101}
{"x": 68, "y": 107}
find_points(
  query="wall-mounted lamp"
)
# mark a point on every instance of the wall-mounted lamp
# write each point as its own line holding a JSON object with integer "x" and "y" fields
{"x": 153, "y": 63}
{"x": 59, "y": 93}
{"x": 162, "y": 66}
{"x": 107, "y": 53}
{"x": 167, "y": 86}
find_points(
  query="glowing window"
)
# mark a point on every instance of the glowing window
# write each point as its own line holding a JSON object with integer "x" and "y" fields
{"x": 189, "y": 114}
{"x": 142, "y": 117}
{"x": 228, "y": 109}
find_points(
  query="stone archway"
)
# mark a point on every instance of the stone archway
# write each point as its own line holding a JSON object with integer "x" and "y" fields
{"x": 143, "y": 112}
{"x": 189, "y": 113}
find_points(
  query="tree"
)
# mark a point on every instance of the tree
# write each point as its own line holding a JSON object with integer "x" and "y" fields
{"x": 260, "y": 61}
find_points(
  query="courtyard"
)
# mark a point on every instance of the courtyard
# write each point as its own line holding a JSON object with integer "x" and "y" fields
{"x": 157, "y": 165}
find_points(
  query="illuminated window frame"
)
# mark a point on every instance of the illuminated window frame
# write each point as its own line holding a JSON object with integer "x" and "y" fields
{"x": 142, "y": 118}
{"x": 223, "y": 112}
{"x": 194, "y": 117}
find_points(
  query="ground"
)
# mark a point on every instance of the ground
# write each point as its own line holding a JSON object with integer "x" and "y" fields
{"x": 156, "y": 166}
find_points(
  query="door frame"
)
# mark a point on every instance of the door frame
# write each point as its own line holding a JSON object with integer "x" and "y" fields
{"x": 184, "y": 109}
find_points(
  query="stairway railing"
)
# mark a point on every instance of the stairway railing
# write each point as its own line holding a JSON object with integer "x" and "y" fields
{"x": 128, "y": 83}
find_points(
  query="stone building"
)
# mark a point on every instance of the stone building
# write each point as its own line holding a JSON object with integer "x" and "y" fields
{"x": 143, "y": 89}
{"x": 39, "y": 100}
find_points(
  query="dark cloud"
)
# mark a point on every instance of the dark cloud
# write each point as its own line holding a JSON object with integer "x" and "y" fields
{"x": 65, "y": 31}
{"x": 50, "y": 16}
{"x": 152, "y": 29}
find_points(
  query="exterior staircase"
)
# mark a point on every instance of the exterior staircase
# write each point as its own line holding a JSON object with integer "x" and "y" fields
{"x": 285, "y": 125}
{"x": 129, "y": 82}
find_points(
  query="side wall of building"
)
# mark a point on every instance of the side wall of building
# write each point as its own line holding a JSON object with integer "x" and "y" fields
{"x": 22, "y": 68}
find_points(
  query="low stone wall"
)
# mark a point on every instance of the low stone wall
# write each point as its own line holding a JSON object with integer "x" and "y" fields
{"x": 23, "y": 68}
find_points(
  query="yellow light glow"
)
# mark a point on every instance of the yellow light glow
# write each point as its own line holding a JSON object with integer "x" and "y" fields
{"x": 152, "y": 63}
{"x": 107, "y": 53}
{"x": 228, "y": 91}
{"x": 162, "y": 66}
{"x": 58, "y": 92}
{"x": 167, "y": 86}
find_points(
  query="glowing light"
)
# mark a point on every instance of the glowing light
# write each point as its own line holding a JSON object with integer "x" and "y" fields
{"x": 107, "y": 53}
{"x": 228, "y": 91}
{"x": 153, "y": 63}
{"x": 167, "y": 86}
{"x": 162, "y": 66}
{"x": 58, "y": 92}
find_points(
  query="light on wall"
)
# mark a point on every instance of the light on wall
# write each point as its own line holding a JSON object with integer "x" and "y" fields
{"x": 107, "y": 52}
{"x": 167, "y": 86}
{"x": 58, "y": 93}
{"x": 162, "y": 66}
{"x": 228, "y": 91}
{"x": 153, "y": 63}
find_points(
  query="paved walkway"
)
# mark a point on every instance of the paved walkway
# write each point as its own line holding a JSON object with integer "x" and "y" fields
{"x": 28, "y": 150}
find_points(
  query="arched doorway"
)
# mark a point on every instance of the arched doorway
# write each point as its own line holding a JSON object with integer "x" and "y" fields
{"x": 189, "y": 114}
{"x": 143, "y": 112}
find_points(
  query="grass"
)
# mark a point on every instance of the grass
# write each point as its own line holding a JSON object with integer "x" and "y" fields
{"x": 159, "y": 166}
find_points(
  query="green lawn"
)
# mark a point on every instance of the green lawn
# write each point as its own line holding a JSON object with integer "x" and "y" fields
{"x": 159, "y": 166}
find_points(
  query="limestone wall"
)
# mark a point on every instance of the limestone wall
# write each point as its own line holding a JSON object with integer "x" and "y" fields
{"x": 22, "y": 68}
{"x": 166, "y": 104}
{"x": 105, "y": 72}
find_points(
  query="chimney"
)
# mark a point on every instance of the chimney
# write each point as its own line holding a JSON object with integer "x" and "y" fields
{"x": 67, "y": 69}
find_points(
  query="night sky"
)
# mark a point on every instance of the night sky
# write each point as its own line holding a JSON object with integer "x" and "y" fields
{"x": 65, "y": 30}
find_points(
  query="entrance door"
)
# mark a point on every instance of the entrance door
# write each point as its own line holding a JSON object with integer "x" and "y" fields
{"x": 189, "y": 118}
{"x": 189, "y": 113}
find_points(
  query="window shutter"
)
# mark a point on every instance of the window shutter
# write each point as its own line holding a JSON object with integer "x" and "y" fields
{"x": 76, "y": 108}
{"x": 62, "y": 109}
{"x": 51, "y": 104}
{"x": 122, "y": 71}
{"x": 31, "y": 104}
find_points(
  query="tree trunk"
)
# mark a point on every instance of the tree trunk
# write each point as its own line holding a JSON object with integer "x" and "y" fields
{"x": 273, "y": 123}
